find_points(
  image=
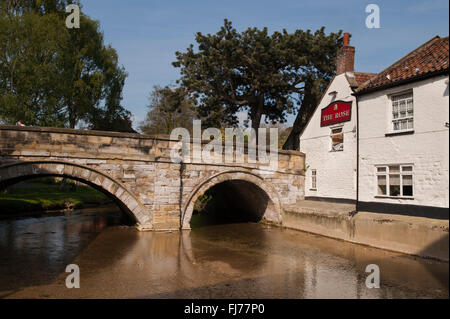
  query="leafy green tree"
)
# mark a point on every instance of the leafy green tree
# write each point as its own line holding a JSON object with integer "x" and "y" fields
{"x": 169, "y": 108}
{"x": 265, "y": 75}
{"x": 89, "y": 71}
{"x": 55, "y": 76}
{"x": 30, "y": 75}
{"x": 112, "y": 116}
{"x": 38, "y": 6}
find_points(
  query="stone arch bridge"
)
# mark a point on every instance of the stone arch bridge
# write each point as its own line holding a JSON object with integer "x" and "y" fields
{"x": 137, "y": 172}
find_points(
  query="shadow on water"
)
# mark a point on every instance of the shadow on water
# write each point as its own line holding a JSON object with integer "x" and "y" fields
{"x": 241, "y": 246}
{"x": 34, "y": 251}
{"x": 224, "y": 225}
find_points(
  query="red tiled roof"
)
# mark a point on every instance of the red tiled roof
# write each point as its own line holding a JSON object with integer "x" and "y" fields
{"x": 363, "y": 77}
{"x": 430, "y": 57}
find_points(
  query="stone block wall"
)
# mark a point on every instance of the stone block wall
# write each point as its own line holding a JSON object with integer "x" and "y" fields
{"x": 138, "y": 171}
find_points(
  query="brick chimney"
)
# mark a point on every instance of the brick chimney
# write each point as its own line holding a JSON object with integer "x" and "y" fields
{"x": 345, "y": 57}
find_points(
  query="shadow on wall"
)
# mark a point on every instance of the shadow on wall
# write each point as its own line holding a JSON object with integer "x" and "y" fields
{"x": 233, "y": 201}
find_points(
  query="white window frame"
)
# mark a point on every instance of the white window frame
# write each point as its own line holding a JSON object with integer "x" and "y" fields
{"x": 335, "y": 134}
{"x": 313, "y": 179}
{"x": 386, "y": 173}
{"x": 408, "y": 118}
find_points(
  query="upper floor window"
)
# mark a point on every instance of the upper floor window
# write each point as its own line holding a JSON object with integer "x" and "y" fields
{"x": 402, "y": 112}
{"x": 337, "y": 139}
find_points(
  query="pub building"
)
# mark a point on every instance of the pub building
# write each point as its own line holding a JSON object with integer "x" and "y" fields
{"x": 329, "y": 138}
{"x": 380, "y": 141}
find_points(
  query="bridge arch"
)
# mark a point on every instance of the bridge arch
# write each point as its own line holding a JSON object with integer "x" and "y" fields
{"x": 270, "y": 206}
{"x": 20, "y": 171}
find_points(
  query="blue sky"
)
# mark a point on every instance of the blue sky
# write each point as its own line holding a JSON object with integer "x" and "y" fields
{"x": 147, "y": 33}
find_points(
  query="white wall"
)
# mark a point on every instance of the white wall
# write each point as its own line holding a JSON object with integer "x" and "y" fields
{"x": 336, "y": 171}
{"x": 427, "y": 148}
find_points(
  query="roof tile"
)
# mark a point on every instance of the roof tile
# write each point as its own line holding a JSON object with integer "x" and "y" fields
{"x": 430, "y": 57}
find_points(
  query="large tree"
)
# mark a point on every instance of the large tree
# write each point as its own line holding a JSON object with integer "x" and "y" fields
{"x": 30, "y": 78}
{"x": 169, "y": 108}
{"x": 93, "y": 78}
{"x": 268, "y": 76}
{"x": 54, "y": 76}
{"x": 112, "y": 116}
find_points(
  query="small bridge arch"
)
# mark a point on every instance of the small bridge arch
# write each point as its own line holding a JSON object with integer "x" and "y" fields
{"x": 253, "y": 191}
{"x": 20, "y": 171}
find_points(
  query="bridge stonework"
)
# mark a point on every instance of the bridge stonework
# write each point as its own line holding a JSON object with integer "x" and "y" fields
{"x": 137, "y": 172}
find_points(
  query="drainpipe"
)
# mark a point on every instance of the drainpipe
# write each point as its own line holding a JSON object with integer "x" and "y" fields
{"x": 357, "y": 155}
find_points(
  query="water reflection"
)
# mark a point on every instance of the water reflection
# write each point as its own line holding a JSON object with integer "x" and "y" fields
{"x": 35, "y": 250}
{"x": 221, "y": 261}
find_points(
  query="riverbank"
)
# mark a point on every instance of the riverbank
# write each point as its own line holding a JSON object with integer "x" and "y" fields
{"x": 41, "y": 197}
{"x": 420, "y": 236}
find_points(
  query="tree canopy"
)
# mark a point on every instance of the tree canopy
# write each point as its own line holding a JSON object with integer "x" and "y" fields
{"x": 54, "y": 76}
{"x": 169, "y": 108}
{"x": 269, "y": 76}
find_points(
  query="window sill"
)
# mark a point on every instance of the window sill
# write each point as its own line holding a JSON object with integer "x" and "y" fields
{"x": 395, "y": 197}
{"x": 399, "y": 133}
{"x": 313, "y": 189}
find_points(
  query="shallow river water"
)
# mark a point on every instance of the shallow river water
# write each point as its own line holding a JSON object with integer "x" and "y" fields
{"x": 221, "y": 261}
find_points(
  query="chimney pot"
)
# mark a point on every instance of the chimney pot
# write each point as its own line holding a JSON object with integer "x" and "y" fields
{"x": 345, "y": 57}
{"x": 346, "y": 39}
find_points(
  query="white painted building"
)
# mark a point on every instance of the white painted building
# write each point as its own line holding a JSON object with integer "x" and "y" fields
{"x": 330, "y": 148}
{"x": 399, "y": 162}
{"x": 404, "y": 135}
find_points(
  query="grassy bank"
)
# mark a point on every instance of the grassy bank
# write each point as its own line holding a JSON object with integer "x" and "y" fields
{"x": 44, "y": 195}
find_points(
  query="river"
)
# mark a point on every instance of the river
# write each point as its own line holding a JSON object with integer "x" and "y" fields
{"x": 245, "y": 260}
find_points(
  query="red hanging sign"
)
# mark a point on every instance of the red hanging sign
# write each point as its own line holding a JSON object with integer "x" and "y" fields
{"x": 336, "y": 112}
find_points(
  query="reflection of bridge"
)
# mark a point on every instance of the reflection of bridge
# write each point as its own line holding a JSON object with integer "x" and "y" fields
{"x": 137, "y": 172}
